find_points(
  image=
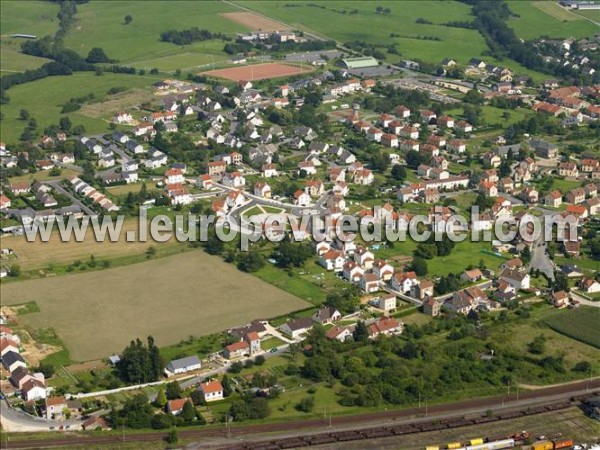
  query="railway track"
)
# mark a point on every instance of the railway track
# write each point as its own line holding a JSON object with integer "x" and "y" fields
{"x": 447, "y": 417}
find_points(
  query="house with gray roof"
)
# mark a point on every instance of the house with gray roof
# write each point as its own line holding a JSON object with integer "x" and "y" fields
{"x": 183, "y": 365}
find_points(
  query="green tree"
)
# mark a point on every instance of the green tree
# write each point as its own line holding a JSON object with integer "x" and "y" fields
{"x": 188, "y": 413}
{"x": 173, "y": 437}
{"x": 361, "y": 332}
{"x": 97, "y": 55}
{"x": 137, "y": 412}
{"x": 227, "y": 386}
{"x": 161, "y": 398}
{"x": 156, "y": 361}
{"x": 173, "y": 390}
{"x": 128, "y": 19}
{"x": 15, "y": 270}
{"x": 23, "y": 114}
{"x": 65, "y": 124}
{"x": 399, "y": 172}
{"x": 419, "y": 265}
{"x": 251, "y": 261}
{"x": 306, "y": 405}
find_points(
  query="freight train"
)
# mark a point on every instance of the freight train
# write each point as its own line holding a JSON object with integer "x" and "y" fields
{"x": 509, "y": 442}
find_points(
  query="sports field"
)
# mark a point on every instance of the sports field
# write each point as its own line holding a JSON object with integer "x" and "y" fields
{"x": 255, "y": 21}
{"x": 258, "y": 72}
{"x": 98, "y": 313}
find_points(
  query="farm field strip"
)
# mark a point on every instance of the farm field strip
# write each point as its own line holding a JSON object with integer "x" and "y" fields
{"x": 98, "y": 313}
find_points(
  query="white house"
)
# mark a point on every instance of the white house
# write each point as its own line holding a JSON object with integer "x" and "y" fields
{"x": 212, "y": 390}
{"x": 183, "y": 365}
{"x": 332, "y": 260}
{"x": 387, "y": 302}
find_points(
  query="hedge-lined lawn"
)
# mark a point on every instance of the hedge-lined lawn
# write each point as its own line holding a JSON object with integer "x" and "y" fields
{"x": 580, "y": 324}
{"x": 465, "y": 253}
{"x": 293, "y": 284}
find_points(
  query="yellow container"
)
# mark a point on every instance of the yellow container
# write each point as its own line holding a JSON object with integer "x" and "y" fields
{"x": 477, "y": 441}
{"x": 453, "y": 445}
{"x": 546, "y": 445}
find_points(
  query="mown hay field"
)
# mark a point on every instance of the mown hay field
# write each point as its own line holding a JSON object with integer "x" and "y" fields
{"x": 98, "y": 313}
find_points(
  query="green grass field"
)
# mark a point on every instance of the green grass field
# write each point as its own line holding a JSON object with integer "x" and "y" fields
{"x": 493, "y": 116}
{"x": 31, "y": 17}
{"x": 580, "y": 324}
{"x": 100, "y": 24}
{"x": 547, "y": 18}
{"x": 14, "y": 61}
{"x": 44, "y": 99}
{"x": 458, "y": 43}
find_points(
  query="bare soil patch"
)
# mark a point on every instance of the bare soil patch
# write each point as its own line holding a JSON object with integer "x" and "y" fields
{"x": 255, "y": 21}
{"x": 123, "y": 100}
{"x": 258, "y": 72}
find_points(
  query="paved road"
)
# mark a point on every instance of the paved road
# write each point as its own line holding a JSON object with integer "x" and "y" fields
{"x": 18, "y": 421}
{"x": 58, "y": 187}
{"x": 584, "y": 301}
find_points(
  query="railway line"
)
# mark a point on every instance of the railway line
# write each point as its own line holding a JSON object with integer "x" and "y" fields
{"x": 305, "y": 433}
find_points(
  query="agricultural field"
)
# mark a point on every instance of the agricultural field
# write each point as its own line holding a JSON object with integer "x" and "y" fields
{"x": 258, "y": 72}
{"x": 54, "y": 255}
{"x": 45, "y": 98}
{"x": 101, "y": 24}
{"x": 98, "y": 313}
{"x": 547, "y": 18}
{"x": 331, "y": 21}
{"x": 255, "y": 21}
{"x": 580, "y": 324}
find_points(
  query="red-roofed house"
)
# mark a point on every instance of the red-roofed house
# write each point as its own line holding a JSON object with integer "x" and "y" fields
{"x": 385, "y": 325}
{"x": 176, "y": 406}
{"x": 212, "y": 390}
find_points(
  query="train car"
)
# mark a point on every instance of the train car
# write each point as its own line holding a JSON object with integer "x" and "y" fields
{"x": 432, "y": 447}
{"x": 544, "y": 445}
{"x": 495, "y": 445}
{"x": 563, "y": 443}
{"x": 454, "y": 446}
{"x": 477, "y": 441}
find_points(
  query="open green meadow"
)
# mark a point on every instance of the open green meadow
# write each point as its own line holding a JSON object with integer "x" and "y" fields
{"x": 101, "y": 24}
{"x": 45, "y": 98}
{"x": 31, "y": 17}
{"x": 329, "y": 20}
{"x": 547, "y": 18}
